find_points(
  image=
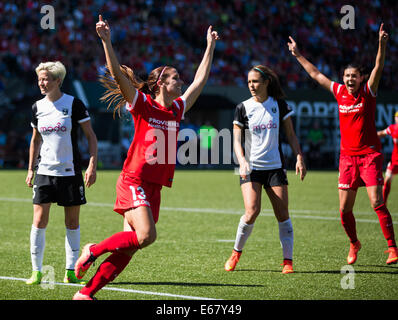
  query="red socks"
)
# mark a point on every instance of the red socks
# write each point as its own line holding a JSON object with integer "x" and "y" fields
{"x": 115, "y": 263}
{"x": 119, "y": 241}
{"x": 107, "y": 272}
{"x": 386, "y": 224}
{"x": 348, "y": 222}
{"x": 386, "y": 190}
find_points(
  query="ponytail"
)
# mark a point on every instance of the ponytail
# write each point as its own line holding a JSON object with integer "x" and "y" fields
{"x": 113, "y": 96}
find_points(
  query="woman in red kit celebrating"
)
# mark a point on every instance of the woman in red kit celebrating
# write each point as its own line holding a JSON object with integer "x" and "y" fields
{"x": 360, "y": 157}
{"x": 157, "y": 106}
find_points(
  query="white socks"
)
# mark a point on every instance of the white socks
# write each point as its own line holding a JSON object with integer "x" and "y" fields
{"x": 286, "y": 238}
{"x": 72, "y": 246}
{"x": 37, "y": 244}
{"x": 242, "y": 234}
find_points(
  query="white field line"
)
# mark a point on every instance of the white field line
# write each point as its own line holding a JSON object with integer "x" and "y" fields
{"x": 298, "y": 214}
{"x": 118, "y": 289}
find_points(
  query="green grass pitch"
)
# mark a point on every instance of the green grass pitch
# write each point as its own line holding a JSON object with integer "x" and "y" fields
{"x": 198, "y": 220}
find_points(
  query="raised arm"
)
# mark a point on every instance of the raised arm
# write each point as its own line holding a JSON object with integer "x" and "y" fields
{"x": 126, "y": 87}
{"x": 375, "y": 76}
{"x": 202, "y": 74}
{"x": 313, "y": 71}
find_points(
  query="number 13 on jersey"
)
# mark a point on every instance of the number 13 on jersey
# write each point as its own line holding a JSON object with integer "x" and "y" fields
{"x": 139, "y": 197}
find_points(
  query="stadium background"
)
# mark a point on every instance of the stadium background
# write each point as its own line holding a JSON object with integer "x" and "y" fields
{"x": 149, "y": 33}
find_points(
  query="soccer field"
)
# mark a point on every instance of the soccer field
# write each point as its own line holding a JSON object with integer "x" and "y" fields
{"x": 196, "y": 229}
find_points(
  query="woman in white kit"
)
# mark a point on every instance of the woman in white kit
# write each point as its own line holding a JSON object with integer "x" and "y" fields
{"x": 54, "y": 153}
{"x": 257, "y": 144}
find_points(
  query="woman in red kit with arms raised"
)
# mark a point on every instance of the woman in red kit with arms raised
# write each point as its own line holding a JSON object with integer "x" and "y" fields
{"x": 157, "y": 106}
{"x": 360, "y": 151}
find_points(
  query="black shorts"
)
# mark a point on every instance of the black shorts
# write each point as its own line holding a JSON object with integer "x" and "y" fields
{"x": 65, "y": 191}
{"x": 267, "y": 178}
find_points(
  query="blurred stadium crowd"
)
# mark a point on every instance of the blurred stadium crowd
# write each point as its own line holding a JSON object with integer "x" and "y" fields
{"x": 149, "y": 33}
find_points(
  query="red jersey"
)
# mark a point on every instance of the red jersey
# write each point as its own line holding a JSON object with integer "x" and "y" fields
{"x": 392, "y": 130}
{"x": 357, "y": 120}
{"x": 152, "y": 153}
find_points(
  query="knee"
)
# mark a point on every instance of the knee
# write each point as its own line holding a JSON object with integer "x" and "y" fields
{"x": 251, "y": 214}
{"x": 376, "y": 199}
{"x": 40, "y": 221}
{"x": 72, "y": 224}
{"x": 40, "y": 224}
{"x": 344, "y": 211}
{"x": 146, "y": 238}
{"x": 282, "y": 215}
{"x": 375, "y": 203}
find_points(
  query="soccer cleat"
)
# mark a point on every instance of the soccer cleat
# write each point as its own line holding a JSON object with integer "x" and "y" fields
{"x": 232, "y": 261}
{"x": 352, "y": 254}
{"x": 84, "y": 262}
{"x": 287, "y": 266}
{"x": 35, "y": 278}
{"x": 71, "y": 278}
{"x": 393, "y": 255}
{"x": 81, "y": 296}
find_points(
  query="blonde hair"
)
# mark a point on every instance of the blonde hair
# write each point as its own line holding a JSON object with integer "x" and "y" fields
{"x": 56, "y": 69}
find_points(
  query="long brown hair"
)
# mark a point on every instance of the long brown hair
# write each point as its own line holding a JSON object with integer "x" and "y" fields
{"x": 114, "y": 97}
{"x": 274, "y": 86}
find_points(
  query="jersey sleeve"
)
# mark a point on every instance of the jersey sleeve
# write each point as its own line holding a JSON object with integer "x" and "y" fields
{"x": 181, "y": 105}
{"x": 335, "y": 88}
{"x": 33, "y": 121}
{"x": 79, "y": 111}
{"x": 285, "y": 111}
{"x": 137, "y": 103}
{"x": 390, "y": 129}
{"x": 240, "y": 115}
{"x": 368, "y": 90}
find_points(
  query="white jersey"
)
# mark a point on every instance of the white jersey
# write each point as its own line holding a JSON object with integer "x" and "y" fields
{"x": 261, "y": 124}
{"x": 57, "y": 122}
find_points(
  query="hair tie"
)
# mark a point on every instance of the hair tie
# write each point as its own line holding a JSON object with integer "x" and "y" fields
{"x": 262, "y": 72}
{"x": 161, "y": 74}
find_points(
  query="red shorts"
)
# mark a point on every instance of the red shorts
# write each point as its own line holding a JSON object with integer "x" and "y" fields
{"x": 357, "y": 171}
{"x": 392, "y": 168}
{"x": 132, "y": 192}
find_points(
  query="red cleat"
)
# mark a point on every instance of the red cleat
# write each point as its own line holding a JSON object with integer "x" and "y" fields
{"x": 84, "y": 262}
{"x": 232, "y": 261}
{"x": 352, "y": 254}
{"x": 81, "y": 296}
{"x": 393, "y": 255}
{"x": 287, "y": 266}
